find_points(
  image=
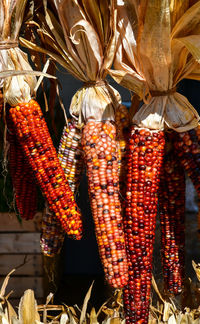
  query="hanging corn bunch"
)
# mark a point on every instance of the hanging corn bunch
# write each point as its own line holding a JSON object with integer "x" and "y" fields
{"x": 172, "y": 221}
{"x": 87, "y": 51}
{"x": 70, "y": 155}
{"x": 28, "y": 121}
{"x": 151, "y": 58}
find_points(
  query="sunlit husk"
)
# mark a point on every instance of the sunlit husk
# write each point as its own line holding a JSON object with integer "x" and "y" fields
{"x": 16, "y": 88}
{"x": 159, "y": 47}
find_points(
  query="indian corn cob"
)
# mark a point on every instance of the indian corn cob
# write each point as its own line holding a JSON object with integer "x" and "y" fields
{"x": 1, "y": 103}
{"x": 22, "y": 177}
{"x": 101, "y": 154}
{"x": 70, "y": 154}
{"x": 187, "y": 147}
{"x": 172, "y": 222}
{"x": 71, "y": 158}
{"x": 35, "y": 140}
{"x": 144, "y": 161}
{"x": 198, "y": 219}
{"x": 52, "y": 234}
{"x": 122, "y": 120}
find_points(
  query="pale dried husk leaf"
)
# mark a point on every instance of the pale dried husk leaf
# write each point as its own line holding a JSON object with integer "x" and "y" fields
{"x": 84, "y": 46}
{"x": 28, "y": 308}
{"x": 18, "y": 88}
{"x": 95, "y": 103}
{"x": 159, "y": 47}
{"x": 173, "y": 111}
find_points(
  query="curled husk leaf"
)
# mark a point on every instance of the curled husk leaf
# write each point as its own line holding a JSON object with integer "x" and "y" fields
{"x": 16, "y": 88}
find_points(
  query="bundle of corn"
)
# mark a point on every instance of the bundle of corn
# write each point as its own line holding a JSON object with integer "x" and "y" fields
{"x": 155, "y": 51}
{"x": 87, "y": 51}
{"x": 172, "y": 221}
{"x": 70, "y": 155}
{"x": 28, "y": 121}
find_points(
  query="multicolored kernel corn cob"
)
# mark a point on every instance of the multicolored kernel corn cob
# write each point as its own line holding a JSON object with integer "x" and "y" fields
{"x": 144, "y": 161}
{"x": 172, "y": 222}
{"x": 101, "y": 158}
{"x": 35, "y": 140}
{"x": 52, "y": 234}
{"x": 22, "y": 177}
{"x": 70, "y": 155}
{"x": 122, "y": 121}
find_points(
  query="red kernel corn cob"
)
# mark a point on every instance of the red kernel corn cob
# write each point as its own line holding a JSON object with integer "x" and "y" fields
{"x": 172, "y": 222}
{"x": 145, "y": 155}
{"x": 187, "y": 147}
{"x": 100, "y": 150}
{"x": 34, "y": 137}
{"x": 22, "y": 177}
{"x": 1, "y": 103}
{"x": 70, "y": 155}
{"x": 122, "y": 121}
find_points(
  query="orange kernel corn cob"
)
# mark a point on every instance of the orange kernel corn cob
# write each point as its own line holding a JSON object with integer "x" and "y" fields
{"x": 100, "y": 150}
{"x": 122, "y": 121}
{"x": 22, "y": 177}
{"x": 144, "y": 161}
{"x": 172, "y": 222}
{"x": 71, "y": 158}
{"x": 35, "y": 140}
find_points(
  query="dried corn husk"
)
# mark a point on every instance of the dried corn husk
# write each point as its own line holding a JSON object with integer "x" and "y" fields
{"x": 159, "y": 45}
{"x": 18, "y": 88}
{"x": 85, "y": 46}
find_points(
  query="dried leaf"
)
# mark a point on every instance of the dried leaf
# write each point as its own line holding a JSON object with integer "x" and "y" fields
{"x": 64, "y": 319}
{"x": 28, "y": 308}
{"x": 5, "y": 283}
{"x": 93, "y": 317}
{"x": 196, "y": 269}
{"x": 84, "y": 308}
